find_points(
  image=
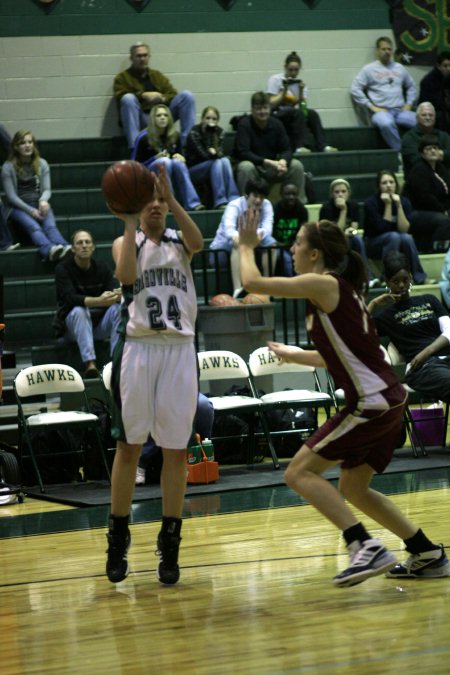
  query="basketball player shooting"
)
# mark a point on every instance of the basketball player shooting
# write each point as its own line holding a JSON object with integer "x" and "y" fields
{"x": 154, "y": 375}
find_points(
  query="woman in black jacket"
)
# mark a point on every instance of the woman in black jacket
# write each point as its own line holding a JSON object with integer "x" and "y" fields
{"x": 205, "y": 159}
{"x": 428, "y": 188}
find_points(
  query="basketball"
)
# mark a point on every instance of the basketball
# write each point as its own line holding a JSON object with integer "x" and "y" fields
{"x": 256, "y": 299}
{"x": 223, "y": 300}
{"x": 128, "y": 186}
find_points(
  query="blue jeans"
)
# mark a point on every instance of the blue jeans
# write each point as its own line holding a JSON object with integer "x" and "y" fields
{"x": 220, "y": 175}
{"x": 295, "y": 174}
{"x": 387, "y": 123}
{"x": 284, "y": 266}
{"x": 378, "y": 247}
{"x": 134, "y": 119}
{"x": 204, "y": 419}
{"x": 179, "y": 178}
{"x": 357, "y": 244}
{"x": 43, "y": 233}
{"x": 80, "y": 329}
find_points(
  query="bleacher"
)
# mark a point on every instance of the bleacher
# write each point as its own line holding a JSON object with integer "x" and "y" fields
{"x": 76, "y": 170}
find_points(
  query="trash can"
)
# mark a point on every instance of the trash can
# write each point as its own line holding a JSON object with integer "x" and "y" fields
{"x": 240, "y": 329}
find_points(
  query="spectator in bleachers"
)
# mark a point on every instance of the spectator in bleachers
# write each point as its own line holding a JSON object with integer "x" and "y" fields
{"x": 227, "y": 235}
{"x": 6, "y": 241}
{"x": 418, "y": 326}
{"x": 426, "y": 120}
{"x": 428, "y": 189}
{"x": 5, "y": 140}
{"x": 263, "y": 150}
{"x": 160, "y": 144}
{"x": 386, "y": 90}
{"x": 206, "y": 161}
{"x": 344, "y": 211}
{"x": 289, "y": 214}
{"x": 87, "y": 301}
{"x": 435, "y": 88}
{"x": 139, "y": 88}
{"x": 387, "y": 222}
{"x": 288, "y": 98}
{"x": 26, "y": 182}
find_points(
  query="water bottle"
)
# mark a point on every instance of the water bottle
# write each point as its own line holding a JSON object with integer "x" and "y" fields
{"x": 194, "y": 454}
{"x": 208, "y": 449}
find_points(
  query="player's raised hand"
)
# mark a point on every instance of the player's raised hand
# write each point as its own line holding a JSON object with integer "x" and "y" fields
{"x": 162, "y": 185}
{"x": 248, "y": 226}
{"x": 130, "y": 220}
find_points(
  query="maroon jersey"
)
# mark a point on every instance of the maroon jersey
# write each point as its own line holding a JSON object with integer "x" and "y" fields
{"x": 347, "y": 341}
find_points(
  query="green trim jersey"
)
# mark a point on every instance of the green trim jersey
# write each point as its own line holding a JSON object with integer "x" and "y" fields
{"x": 163, "y": 304}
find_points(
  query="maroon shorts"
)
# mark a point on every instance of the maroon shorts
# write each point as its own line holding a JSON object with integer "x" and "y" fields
{"x": 367, "y": 433}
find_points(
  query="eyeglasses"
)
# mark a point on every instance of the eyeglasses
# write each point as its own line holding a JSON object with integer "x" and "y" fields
{"x": 211, "y": 117}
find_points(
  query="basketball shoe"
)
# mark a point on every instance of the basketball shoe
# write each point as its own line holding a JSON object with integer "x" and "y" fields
{"x": 167, "y": 550}
{"x": 117, "y": 568}
{"x": 427, "y": 565}
{"x": 140, "y": 476}
{"x": 367, "y": 559}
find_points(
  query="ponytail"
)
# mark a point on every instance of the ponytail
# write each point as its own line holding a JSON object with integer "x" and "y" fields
{"x": 355, "y": 272}
{"x": 328, "y": 238}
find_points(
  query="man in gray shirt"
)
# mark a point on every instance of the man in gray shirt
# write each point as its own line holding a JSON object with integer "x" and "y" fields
{"x": 387, "y": 91}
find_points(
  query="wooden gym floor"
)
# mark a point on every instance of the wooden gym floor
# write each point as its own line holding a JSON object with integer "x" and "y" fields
{"x": 255, "y": 594}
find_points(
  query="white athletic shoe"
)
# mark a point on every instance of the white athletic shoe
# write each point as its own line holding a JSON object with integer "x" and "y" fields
{"x": 427, "y": 565}
{"x": 140, "y": 476}
{"x": 366, "y": 560}
{"x": 55, "y": 252}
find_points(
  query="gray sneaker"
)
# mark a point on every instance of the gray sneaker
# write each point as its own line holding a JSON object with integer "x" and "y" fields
{"x": 140, "y": 476}
{"x": 55, "y": 252}
{"x": 366, "y": 560}
{"x": 427, "y": 565}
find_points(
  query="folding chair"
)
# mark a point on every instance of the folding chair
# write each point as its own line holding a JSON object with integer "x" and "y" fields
{"x": 216, "y": 365}
{"x": 415, "y": 396}
{"x": 263, "y": 361}
{"x": 54, "y": 379}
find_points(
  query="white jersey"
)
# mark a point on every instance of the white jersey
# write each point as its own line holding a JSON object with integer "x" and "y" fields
{"x": 163, "y": 307}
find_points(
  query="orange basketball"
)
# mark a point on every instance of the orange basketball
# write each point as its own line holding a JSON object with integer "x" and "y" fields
{"x": 256, "y": 299}
{"x": 128, "y": 186}
{"x": 223, "y": 300}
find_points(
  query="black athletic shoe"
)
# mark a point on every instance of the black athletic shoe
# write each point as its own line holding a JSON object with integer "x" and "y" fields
{"x": 168, "y": 570}
{"x": 117, "y": 568}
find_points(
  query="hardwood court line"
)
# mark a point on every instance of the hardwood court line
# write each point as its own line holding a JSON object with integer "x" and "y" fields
{"x": 256, "y": 619}
{"x": 198, "y": 566}
{"x": 209, "y": 541}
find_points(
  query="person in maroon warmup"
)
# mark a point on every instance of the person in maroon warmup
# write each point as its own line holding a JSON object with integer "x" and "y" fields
{"x": 363, "y": 435}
